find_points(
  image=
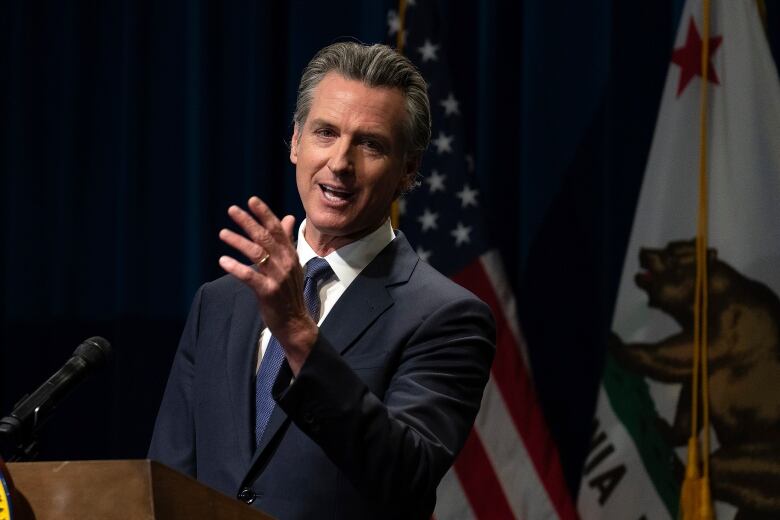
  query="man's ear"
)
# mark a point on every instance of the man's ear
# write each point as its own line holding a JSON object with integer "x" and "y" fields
{"x": 411, "y": 167}
{"x": 294, "y": 145}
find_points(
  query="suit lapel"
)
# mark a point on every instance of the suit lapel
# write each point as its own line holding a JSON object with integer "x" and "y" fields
{"x": 241, "y": 359}
{"x": 368, "y": 293}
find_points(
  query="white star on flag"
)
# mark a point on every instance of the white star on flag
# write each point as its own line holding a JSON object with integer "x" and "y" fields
{"x": 428, "y": 220}
{"x": 435, "y": 181}
{"x": 467, "y": 196}
{"x": 461, "y": 234}
{"x": 443, "y": 143}
{"x": 428, "y": 51}
{"x": 506, "y": 447}
{"x": 450, "y": 105}
{"x": 393, "y": 22}
{"x": 424, "y": 254}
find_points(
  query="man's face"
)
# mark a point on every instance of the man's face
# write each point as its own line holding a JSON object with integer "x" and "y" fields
{"x": 350, "y": 159}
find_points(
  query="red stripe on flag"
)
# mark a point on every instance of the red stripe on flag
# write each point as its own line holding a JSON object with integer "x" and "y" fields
{"x": 479, "y": 482}
{"x": 512, "y": 380}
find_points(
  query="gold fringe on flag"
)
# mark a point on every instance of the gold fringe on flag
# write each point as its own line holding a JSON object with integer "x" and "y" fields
{"x": 762, "y": 12}
{"x": 695, "y": 497}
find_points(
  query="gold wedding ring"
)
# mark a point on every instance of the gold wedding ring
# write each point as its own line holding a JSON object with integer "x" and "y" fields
{"x": 264, "y": 259}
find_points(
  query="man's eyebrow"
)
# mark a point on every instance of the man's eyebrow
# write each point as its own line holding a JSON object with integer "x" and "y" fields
{"x": 320, "y": 122}
{"x": 372, "y": 135}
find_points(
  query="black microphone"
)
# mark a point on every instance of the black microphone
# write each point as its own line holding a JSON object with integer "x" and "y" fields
{"x": 32, "y": 411}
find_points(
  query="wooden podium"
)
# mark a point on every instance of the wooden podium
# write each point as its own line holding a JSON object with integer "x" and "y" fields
{"x": 121, "y": 489}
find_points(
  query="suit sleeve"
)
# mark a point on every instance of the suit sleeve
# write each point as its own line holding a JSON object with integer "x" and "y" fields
{"x": 396, "y": 450}
{"x": 173, "y": 440}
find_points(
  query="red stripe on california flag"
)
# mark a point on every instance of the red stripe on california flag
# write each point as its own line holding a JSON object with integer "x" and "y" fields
{"x": 512, "y": 380}
{"x": 479, "y": 482}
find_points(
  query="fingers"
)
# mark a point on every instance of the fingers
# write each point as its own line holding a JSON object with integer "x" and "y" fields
{"x": 268, "y": 220}
{"x": 288, "y": 225}
{"x": 267, "y": 243}
{"x": 262, "y": 226}
{"x": 253, "y": 251}
{"x": 243, "y": 272}
{"x": 256, "y": 232}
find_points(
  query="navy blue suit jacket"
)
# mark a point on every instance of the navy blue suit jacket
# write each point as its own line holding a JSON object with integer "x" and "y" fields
{"x": 375, "y": 417}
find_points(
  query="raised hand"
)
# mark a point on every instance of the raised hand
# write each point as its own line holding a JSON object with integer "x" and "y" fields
{"x": 275, "y": 276}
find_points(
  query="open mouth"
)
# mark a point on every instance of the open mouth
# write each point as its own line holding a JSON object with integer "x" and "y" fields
{"x": 335, "y": 194}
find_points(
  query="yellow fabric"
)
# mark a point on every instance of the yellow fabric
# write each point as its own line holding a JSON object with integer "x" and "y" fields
{"x": 695, "y": 498}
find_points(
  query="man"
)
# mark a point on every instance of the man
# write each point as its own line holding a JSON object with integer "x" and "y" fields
{"x": 381, "y": 360}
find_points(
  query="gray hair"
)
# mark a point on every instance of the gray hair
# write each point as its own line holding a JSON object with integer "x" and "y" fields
{"x": 376, "y": 66}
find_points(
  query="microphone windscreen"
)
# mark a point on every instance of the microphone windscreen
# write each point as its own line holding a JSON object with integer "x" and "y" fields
{"x": 96, "y": 351}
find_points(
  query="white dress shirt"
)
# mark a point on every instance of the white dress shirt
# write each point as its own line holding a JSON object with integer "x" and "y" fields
{"x": 347, "y": 262}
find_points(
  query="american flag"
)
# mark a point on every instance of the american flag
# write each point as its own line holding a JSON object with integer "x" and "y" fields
{"x": 509, "y": 467}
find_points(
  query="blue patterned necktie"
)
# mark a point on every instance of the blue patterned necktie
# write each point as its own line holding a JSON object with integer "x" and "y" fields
{"x": 317, "y": 269}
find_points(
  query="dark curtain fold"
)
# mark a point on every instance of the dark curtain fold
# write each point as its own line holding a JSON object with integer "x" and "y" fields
{"x": 128, "y": 128}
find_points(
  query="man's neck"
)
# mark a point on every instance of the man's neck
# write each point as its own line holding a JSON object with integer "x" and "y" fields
{"x": 323, "y": 244}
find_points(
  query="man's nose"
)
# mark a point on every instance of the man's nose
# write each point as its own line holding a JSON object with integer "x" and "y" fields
{"x": 340, "y": 161}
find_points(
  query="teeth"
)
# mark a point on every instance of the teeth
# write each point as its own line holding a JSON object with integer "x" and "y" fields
{"x": 332, "y": 194}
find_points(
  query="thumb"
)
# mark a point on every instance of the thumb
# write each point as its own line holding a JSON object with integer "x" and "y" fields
{"x": 288, "y": 225}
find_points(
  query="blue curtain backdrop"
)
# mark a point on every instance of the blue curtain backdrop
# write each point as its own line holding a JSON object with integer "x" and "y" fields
{"x": 128, "y": 127}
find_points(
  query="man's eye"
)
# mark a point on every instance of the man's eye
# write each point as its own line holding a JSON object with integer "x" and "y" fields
{"x": 325, "y": 132}
{"x": 372, "y": 146}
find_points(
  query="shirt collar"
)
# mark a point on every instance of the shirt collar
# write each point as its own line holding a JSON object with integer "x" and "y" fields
{"x": 348, "y": 261}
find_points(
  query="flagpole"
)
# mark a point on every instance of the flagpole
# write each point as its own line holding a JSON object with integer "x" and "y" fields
{"x": 705, "y": 501}
{"x": 395, "y": 216}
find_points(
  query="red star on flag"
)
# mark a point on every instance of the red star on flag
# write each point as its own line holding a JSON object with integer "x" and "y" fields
{"x": 689, "y": 58}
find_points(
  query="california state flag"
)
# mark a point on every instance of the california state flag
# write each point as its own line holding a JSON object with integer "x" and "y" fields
{"x": 643, "y": 420}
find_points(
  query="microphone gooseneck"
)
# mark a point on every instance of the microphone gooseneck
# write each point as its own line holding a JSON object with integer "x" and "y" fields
{"x": 33, "y": 410}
